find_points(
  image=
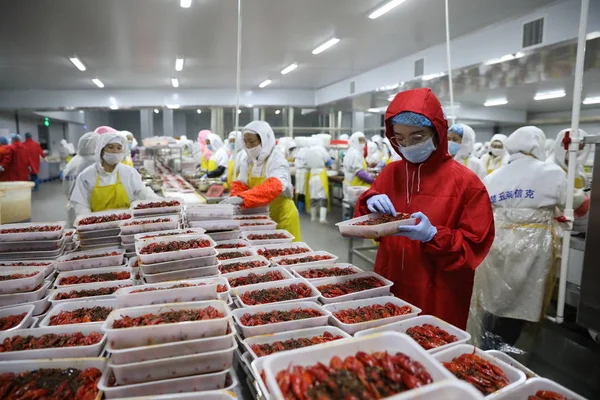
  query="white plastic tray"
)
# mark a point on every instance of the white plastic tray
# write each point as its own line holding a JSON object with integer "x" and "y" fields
{"x": 531, "y": 386}
{"x": 354, "y": 328}
{"x": 257, "y": 366}
{"x": 210, "y": 395}
{"x": 259, "y": 242}
{"x": 239, "y": 291}
{"x": 239, "y": 242}
{"x": 99, "y": 241}
{"x": 209, "y": 211}
{"x": 65, "y": 263}
{"x": 390, "y": 342}
{"x": 26, "y": 297}
{"x": 258, "y": 217}
{"x": 124, "y": 297}
{"x": 514, "y": 376}
{"x": 156, "y": 210}
{"x": 247, "y": 251}
{"x": 403, "y": 326}
{"x": 173, "y": 255}
{"x": 225, "y": 235}
{"x": 173, "y": 223}
{"x": 32, "y": 255}
{"x": 103, "y": 225}
{"x": 251, "y": 211}
{"x": 33, "y": 245}
{"x": 513, "y": 363}
{"x": 190, "y": 273}
{"x": 162, "y": 233}
{"x": 41, "y": 305}
{"x": 100, "y": 233}
{"x": 365, "y": 294}
{"x": 164, "y": 333}
{"x": 87, "y": 286}
{"x": 26, "y": 309}
{"x": 298, "y": 269}
{"x": 294, "y": 245}
{"x": 206, "y": 382}
{"x": 297, "y": 334}
{"x": 94, "y": 271}
{"x": 24, "y": 284}
{"x": 216, "y": 225}
{"x": 170, "y": 266}
{"x": 225, "y": 263}
{"x": 75, "y": 305}
{"x": 286, "y": 326}
{"x": 258, "y": 271}
{"x": 332, "y": 260}
{"x": 348, "y": 229}
{"x": 259, "y": 225}
{"x": 57, "y": 352}
{"x": 446, "y": 390}
{"x": 26, "y": 236}
{"x": 174, "y": 367}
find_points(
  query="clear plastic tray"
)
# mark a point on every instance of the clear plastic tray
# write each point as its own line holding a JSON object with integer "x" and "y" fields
{"x": 257, "y": 366}
{"x": 216, "y": 225}
{"x": 178, "y": 265}
{"x": 33, "y": 245}
{"x": 281, "y": 246}
{"x": 26, "y": 297}
{"x": 446, "y": 390}
{"x": 247, "y": 251}
{"x": 164, "y": 333}
{"x": 263, "y": 225}
{"x": 209, "y": 211}
{"x": 261, "y": 242}
{"x": 65, "y": 263}
{"x": 57, "y": 352}
{"x": 163, "y": 233}
{"x": 173, "y": 223}
{"x": 24, "y": 284}
{"x": 354, "y": 328}
{"x": 127, "y": 239}
{"x": 249, "y": 331}
{"x": 390, "y": 342}
{"x": 264, "y": 217}
{"x": 258, "y": 271}
{"x": 26, "y": 309}
{"x": 365, "y": 294}
{"x": 173, "y": 349}
{"x": 225, "y": 235}
{"x": 239, "y": 291}
{"x": 512, "y": 362}
{"x": 103, "y": 225}
{"x": 206, "y": 382}
{"x": 75, "y": 305}
{"x": 70, "y": 235}
{"x": 91, "y": 244}
{"x": 71, "y": 246}
{"x": 331, "y": 261}
{"x": 173, "y": 255}
{"x": 174, "y": 367}
{"x": 403, "y": 326}
{"x": 156, "y": 210}
{"x": 191, "y": 273}
{"x": 93, "y": 271}
{"x": 240, "y": 242}
{"x": 31, "y": 255}
{"x": 129, "y": 248}
{"x": 124, "y": 297}
{"x": 210, "y": 395}
{"x": 100, "y": 233}
{"x": 251, "y": 211}
{"x": 87, "y": 286}
{"x": 26, "y": 236}
{"x": 531, "y": 386}
{"x": 348, "y": 229}
{"x": 298, "y": 269}
{"x": 225, "y": 263}
{"x": 298, "y": 334}
{"x": 514, "y": 376}
{"x": 41, "y": 306}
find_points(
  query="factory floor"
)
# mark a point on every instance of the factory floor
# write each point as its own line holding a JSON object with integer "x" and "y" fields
{"x": 564, "y": 353}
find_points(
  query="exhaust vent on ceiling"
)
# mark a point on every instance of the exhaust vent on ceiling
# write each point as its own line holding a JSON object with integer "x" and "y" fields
{"x": 533, "y": 33}
{"x": 419, "y": 67}
{"x": 352, "y": 87}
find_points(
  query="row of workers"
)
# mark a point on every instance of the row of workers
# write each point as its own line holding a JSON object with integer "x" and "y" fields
{"x": 20, "y": 161}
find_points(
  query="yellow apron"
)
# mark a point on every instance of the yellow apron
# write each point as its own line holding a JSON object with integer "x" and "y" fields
{"x": 230, "y": 173}
{"x": 127, "y": 161}
{"x": 281, "y": 210}
{"x": 307, "y": 192}
{"x": 325, "y": 182}
{"x": 212, "y": 165}
{"x": 356, "y": 181}
{"x": 110, "y": 197}
{"x": 204, "y": 164}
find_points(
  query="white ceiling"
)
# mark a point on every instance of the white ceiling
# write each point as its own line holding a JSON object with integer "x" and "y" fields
{"x": 134, "y": 43}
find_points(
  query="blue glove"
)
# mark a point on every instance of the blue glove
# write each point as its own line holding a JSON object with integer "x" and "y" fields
{"x": 204, "y": 176}
{"x": 380, "y": 165}
{"x": 329, "y": 163}
{"x": 422, "y": 232}
{"x": 381, "y": 203}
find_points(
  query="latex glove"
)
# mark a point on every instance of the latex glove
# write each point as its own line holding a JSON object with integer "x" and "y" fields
{"x": 422, "y": 232}
{"x": 381, "y": 165}
{"x": 235, "y": 200}
{"x": 329, "y": 163}
{"x": 381, "y": 203}
{"x": 1, "y": 168}
{"x": 204, "y": 176}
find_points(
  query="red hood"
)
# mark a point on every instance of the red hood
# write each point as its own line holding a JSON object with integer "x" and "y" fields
{"x": 424, "y": 102}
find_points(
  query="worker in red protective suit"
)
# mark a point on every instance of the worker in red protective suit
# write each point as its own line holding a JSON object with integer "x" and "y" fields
{"x": 6, "y": 153}
{"x": 432, "y": 264}
{"x": 35, "y": 152}
{"x": 19, "y": 168}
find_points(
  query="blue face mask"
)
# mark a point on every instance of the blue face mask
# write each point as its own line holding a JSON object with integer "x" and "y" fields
{"x": 418, "y": 152}
{"x": 232, "y": 146}
{"x": 453, "y": 148}
{"x": 210, "y": 147}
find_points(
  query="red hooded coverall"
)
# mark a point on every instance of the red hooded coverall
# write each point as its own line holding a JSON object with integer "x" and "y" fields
{"x": 35, "y": 152}
{"x": 18, "y": 170}
{"x": 436, "y": 276}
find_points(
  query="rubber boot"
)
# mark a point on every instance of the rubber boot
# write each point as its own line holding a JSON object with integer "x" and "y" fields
{"x": 313, "y": 214}
{"x": 323, "y": 215}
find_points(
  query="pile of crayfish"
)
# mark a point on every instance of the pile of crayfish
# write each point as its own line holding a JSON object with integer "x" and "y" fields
{"x": 350, "y": 286}
{"x": 157, "y": 204}
{"x": 274, "y": 347}
{"x": 10, "y": 321}
{"x": 76, "y": 294}
{"x": 17, "y": 276}
{"x": 104, "y": 218}
{"x": 315, "y": 273}
{"x": 430, "y": 336}
{"x": 147, "y": 221}
{"x": 230, "y": 245}
{"x": 37, "y": 228}
{"x": 163, "y": 247}
{"x": 255, "y": 223}
{"x": 220, "y": 288}
{"x": 485, "y": 376}
{"x": 383, "y": 219}
{"x": 49, "y": 341}
{"x": 88, "y": 256}
{"x": 363, "y": 376}
{"x": 286, "y": 251}
{"x": 272, "y": 317}
{"x": 234, "y": 254}
{"x": 168, "y": 317}
{"x": 81, "y": 316}
{"x": 302, "y": 260}
{"x": 371, "y": 313}
{"x": 50, "y": 384}
{"x": 251, "y": 217}
{"x": 253, "y": 278}
{"x": 24, "y": 264}
{"x": 155, "y": 235}
{"x": 547, "y": 395}
{"x": 241, "y": 266}
{"x": 268, "y": 236}
{"x": 92, "y": 278}
{"x": 265, "y": 296}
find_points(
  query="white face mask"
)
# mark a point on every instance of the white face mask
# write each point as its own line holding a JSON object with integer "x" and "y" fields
{"x": 254, "y": 152}
{"x": 497, "y": 152}
{"x": 112, "y": 158}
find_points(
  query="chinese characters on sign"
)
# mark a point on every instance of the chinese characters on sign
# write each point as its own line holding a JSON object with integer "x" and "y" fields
{"x": 513, "y": 194}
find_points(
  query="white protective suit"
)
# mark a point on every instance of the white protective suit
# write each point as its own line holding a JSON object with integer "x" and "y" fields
{"x": 559, "y": 156}
{"x": 238, "y": 154}
{"x": 465, "y": 153}
{"x": 344, "y": 136}
{"x": 550, "y": 143}
{"x": 188, "y": 146}
{"x": 130, "y": 178}
{"x": 354, "y": 160}
{"x": 514, "y": 277}
{"x": 493, "y": 162}
{"x": 64, "y": 153}
{"x": 374, "y": 155}
{"x": 301, "y": 168}
{"x": 316, "y": 158}
{"x": 478, "y": 149}
{"x": 219, "y": 156}
{"x": 389, "y": 155}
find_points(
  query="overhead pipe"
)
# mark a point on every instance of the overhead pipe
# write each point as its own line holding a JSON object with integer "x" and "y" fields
{"x": 239, "y": 65}
{"x": 449, "y": 59}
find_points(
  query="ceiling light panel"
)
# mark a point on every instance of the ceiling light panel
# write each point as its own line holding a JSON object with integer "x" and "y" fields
{"x": 550, "y": 95}
{"x": 495, "y": 102}
{"x": 289, "y": 69}
{"x": 178, "y": 64}
{"x": 199, "y": 111}
{"x": 390, "y": 5}
{"x": 156, "y": 111}
{"x": 185, "y": 3}
{"x": 175, "y": 82}
{"x": 326, "y": 45}
{"x": 591, "y": 100}
{"x": 265, "y": 83}
{"x": 77, "y": 63}
{"x": 98, "y": 83}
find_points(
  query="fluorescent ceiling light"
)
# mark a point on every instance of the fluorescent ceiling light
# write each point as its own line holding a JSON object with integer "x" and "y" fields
{"x": 385, "y": 8}
{"x": 77, "y": 62}
{"x": 114, "y": 107}
{"x": 175, "y": 82}
{"x": 550, "y": 95}
{"x": 249, "y": 105}
{"x": 156, "y": 111}
{"x": 374, "y": 110}
{"x": 591, "y": 100}
{"x": 432, "y": 76}
{"x": 199, "y": 111}
{"x": 98, "y": 82}
{"x": 289, "y": 69}
{"x": 265, "y": 83}
{"x": 178, "y": 64}
{"x": 593, "y": 35}
{"x": 325, "y": 46}
{"x": 185, "y": 3}
{"x": 496, "y": 102}
{"x": 277, "y": 112}
{"x": 507, "y": 57}
{"x": 239, "y": 111}
{"x": 173, "y": 106}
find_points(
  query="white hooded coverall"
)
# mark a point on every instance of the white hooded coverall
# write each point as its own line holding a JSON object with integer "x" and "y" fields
{"x": 492, "y": 162}
{"x": 316, "y": 159}
{"x": 465, "y": 153}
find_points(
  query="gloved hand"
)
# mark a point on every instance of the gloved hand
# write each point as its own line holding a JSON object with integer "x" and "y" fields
{"x": 329, "y": 162}
{"x": 365, "y": 176}
{"x": 235, "y": 200}
{"x": 381, "y": 203}
{"x": 224, "y": 178}
{"x": 204, "y": 176}
{"x": 422, "y": 232}
{"x": 380, "y": 165}
{"x": 1, "y": 168}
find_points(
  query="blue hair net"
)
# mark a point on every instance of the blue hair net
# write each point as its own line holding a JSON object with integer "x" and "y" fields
{"x": 15, "y": 137}
{"x": 28, "y": 135}
{"x": 3, "y": 140}
{"x": 457, "y": 128}
{"x": 412, "y": 119}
